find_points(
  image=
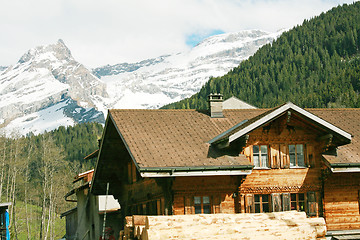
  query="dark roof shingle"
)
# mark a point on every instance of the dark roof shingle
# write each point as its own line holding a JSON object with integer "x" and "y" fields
{"x": 179, "y": 138}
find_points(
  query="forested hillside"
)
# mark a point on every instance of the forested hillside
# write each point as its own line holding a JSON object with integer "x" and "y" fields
{"x": 316, "y": 64}
{"x": 37, "y": 171}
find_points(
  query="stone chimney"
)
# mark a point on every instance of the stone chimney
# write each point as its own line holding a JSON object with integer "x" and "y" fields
{"x": 215, "y": 101}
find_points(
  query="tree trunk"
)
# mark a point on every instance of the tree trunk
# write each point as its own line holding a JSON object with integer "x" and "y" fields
{"x": 45, "y": 182}
{"x": 25, "y": 192}
{"x": 50, "y": 208}
{"x": 13, "y": 187}
{"x": 2, "y": 167}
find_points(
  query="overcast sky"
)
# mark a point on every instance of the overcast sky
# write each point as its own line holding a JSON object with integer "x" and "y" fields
{"x": 100, "y": 32}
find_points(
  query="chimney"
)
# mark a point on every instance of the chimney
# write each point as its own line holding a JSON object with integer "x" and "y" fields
{"x": 215, "y": 101}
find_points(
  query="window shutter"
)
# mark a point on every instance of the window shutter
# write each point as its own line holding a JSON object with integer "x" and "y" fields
{"x": 276, "y": 202}
{"x": 284, "y": 156}
{"x": 274, "y": 156}
{"x": 158, "y": 207}
{"x": 247, "y": 153}
{"x": 216, "y": 204}
{"x": 189, "y": 205}
{"x": 312, "y": 205}
{"x": 249, "y": 203}
{"x": 310, "y": 156}
{"x": 162, "y": 205}
{"x": 286, "y": 201}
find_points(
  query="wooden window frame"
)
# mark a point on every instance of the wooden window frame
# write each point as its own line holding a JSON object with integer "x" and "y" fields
{"x": 261, "y": 203}
{"x": 297, "y": 202}
{"x": 260, "y": 155}
{"x": 202, "y": 204}
{"x": 214, "y": 204}
{"x": 296, "y": 154}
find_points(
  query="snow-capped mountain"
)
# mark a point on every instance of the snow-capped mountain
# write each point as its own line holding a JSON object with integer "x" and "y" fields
{"x": 155, "y": 82}
{"x": 48, "y": 87}
{"x": 44, "y": 77}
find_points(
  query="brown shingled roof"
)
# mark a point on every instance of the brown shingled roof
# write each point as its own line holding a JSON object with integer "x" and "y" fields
{"x": 178, "y": 138}
{"x": 347, "y": 119}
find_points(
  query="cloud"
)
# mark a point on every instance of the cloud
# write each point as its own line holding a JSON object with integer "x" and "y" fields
{"x": 114, "y": 31}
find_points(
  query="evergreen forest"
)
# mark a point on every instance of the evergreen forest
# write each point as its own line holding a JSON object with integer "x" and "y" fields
{"x": 37, "y": 171}
{"x": 315, "y": 65}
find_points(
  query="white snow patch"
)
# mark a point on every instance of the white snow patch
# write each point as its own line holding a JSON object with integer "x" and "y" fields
{"x": 181, "y": 75}
{"x": 44, "y": 120}
{"x": 84, "y": 104}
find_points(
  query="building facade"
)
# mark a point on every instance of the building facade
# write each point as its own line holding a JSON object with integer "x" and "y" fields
{"x": 163, "y": 162}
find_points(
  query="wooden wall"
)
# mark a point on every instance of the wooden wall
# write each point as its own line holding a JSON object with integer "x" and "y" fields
{"x": 138, "y": 195}
{"x": 341, "y": 201}
{"x": 220, "y": 189}
{"x": 279, "y": 177}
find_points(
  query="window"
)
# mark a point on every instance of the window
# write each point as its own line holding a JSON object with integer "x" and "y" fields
{"x": 296, "y": 154}
{"x": 262, "y": 203}
{"x": 297, "y": 201}
{"x": 277, "y": 202}
{"x": 202, "y": 205}
{"x": 260, "y": 156}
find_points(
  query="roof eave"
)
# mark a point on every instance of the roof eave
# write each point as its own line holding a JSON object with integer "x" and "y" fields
{"x": 196, "y": 171}
{"x": 345, "y": 165}
{"x": 345, "y": 169}
{"x": 342, "y": 167}
{"x": 277, "y": 112}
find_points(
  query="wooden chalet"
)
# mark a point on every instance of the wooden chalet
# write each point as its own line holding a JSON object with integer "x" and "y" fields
{"x": 171, "y": 162}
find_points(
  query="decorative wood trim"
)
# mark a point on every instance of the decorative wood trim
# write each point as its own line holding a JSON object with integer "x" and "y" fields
{"x": 279, "y": 189}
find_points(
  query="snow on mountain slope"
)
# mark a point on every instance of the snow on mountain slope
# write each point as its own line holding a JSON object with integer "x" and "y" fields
{"x": 45, "y": 76}
{"x": 64, "y": 113}
{"x": 155, "y": 82}
{"x": 48, "y": 87}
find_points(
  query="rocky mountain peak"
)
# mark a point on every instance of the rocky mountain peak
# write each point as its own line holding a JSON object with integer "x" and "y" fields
{"x": 52, "y": 52}
{"x": 43, "y": 77}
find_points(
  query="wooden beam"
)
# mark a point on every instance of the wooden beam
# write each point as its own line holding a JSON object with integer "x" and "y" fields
{"x": 325, "y": 137}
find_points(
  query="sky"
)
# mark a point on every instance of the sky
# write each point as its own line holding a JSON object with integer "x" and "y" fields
{"x": 116, "y": 31}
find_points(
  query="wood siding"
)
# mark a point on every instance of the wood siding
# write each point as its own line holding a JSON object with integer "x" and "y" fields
{"x": 220, "y": 189}
{"x": 341, "y": 201}
{"x": 280, "y": 177}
